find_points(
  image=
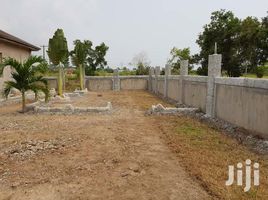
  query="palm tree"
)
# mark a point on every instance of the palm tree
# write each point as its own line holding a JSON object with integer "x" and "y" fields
{"x": 79, "y": 56}
{"x": 26, "y": 77}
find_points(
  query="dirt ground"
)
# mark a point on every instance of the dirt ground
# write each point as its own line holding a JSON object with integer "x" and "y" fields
{"x": 125, "y": 154}
{"x": 112, "y": 156}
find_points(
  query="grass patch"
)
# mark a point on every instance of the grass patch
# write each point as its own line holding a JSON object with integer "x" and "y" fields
{"x": 254, "y": 76}
{"x": 206, "y": 154}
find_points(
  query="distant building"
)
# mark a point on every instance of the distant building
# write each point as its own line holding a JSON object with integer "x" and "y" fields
{"x": 11, "y": 46}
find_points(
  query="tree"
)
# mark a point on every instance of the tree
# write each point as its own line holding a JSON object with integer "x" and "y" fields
{"x": 249, "y": 40}
{"x": 96, "y": 58}
{"x": 176, "y": 56}
{"x": 58, "y": 55}
{"x": 142, "y": 69}
{"x": 26, "y": 77}
{"x": 224, "y": 29}
{"x": 79, "y": 58}
{"x": 141, "y": 62}
{"x": 263, "y": 42}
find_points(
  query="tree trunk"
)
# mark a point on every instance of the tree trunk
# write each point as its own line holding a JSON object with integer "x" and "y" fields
{"x": 23, "y": 101}
{"x": 60, "y": 81}
{"x": 81, "y": 74}
{"x": 36, "y": 96}
{"x": 84, "y": 77}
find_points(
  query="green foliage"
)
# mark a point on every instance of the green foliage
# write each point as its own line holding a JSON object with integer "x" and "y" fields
{"x": 96, "y": 59}
{"x": 58, "y": 48}
{"x": 58, "y": 53}
{"x": 141, "y": 62}
{"x": 223, "y": 29}
{"x": 79, "y": 56}
{"x": 127, "y": 72}
{"x": 26, "y": 76}
{"x": 1, "y": 69}
{"x": 142, "y": 69}
{"x": 242, "y": 43}
{"x": 260, "y": 71}
{"x": 249, "y": 40}
{"x": 263, "y": 43}
{"x": 176, "y": 56}
{"x": 80, "y": 52}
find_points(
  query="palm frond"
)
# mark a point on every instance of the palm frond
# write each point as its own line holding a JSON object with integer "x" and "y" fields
{"x": 33, "y": 60}
{"x": 8, "y": 86}
{"x": 13, "y": 63}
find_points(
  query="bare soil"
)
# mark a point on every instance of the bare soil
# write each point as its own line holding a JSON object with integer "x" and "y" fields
{"x": 125, "y": 154}
{"x": 120, "y": 155}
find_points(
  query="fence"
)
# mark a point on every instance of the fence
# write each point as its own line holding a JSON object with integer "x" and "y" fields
{"x": 241, "y": 101}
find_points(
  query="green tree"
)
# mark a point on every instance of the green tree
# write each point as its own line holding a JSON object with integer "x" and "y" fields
{"x": 249, "y": 40}
{"x": 263, "y": 42}
{"x": 142, "y": 69}
{"x": 224, "y": 29}
{"x": 58, "y": 55}
{"x": 79, "y": 57}
{"x": 96, "y": 58}
{"x": 176, "y": 56}
{"x": 26, "y": 77}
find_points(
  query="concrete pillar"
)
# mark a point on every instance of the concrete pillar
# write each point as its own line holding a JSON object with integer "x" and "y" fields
{"x": 157, "y": 74}
{"x": 184, "y": 65}
{"x": 214, "y": 70}
{"x": 167, "y": 74}
{"x": 116, "y": 80}
{"x": 150, "y": 83}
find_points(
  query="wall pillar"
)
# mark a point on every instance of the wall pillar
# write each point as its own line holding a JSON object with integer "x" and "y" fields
{"x": 116, "y": 80}
{"x": 157, "y": 74}
{"x": 150, "y": 83}
{"x": 184, "y": 65}
{"x": 167, "y": 74}
{"x": 214, "y": 70}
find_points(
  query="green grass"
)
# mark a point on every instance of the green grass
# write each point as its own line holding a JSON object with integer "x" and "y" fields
{"x": 254, "y": 76}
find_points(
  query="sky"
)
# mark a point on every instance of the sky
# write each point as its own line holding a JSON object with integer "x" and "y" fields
{"x": 128, "y": 27}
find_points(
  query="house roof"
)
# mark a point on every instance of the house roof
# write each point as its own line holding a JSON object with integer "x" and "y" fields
{"x": 17, "y": 41}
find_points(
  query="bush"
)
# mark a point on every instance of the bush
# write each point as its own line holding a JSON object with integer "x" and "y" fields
{"x": 202, "y": 71}
{"x": 260, "y": 70}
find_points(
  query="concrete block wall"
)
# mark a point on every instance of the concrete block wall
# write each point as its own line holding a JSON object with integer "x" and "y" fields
{"x": 195, "y": 92}
{"x": 52, "y": 82}
{"x": 244, "y": 102}
{"x": 240, "y": 101}
{"x": 116, "y": 83}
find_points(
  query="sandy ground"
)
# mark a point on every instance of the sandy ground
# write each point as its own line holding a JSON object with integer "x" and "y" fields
{"x": 94, "y": 156}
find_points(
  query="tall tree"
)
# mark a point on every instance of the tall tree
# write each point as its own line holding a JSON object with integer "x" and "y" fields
{"x": 224, "y": 29}
{"x": 26, "y": 76}
{"x": 176, "y": 56}
{"x": 79, "y": 57}
{"x": 96, "y": 58}
{"x": 249, "y": 40}
{"x": 263, "y": 34}
{"x": 58, "y": 55}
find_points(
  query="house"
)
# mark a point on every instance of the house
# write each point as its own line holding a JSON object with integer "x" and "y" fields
{"x": 11, "y": 46}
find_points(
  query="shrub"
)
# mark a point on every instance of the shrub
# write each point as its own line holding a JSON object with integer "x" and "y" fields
{"x": 260, "y": 70}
